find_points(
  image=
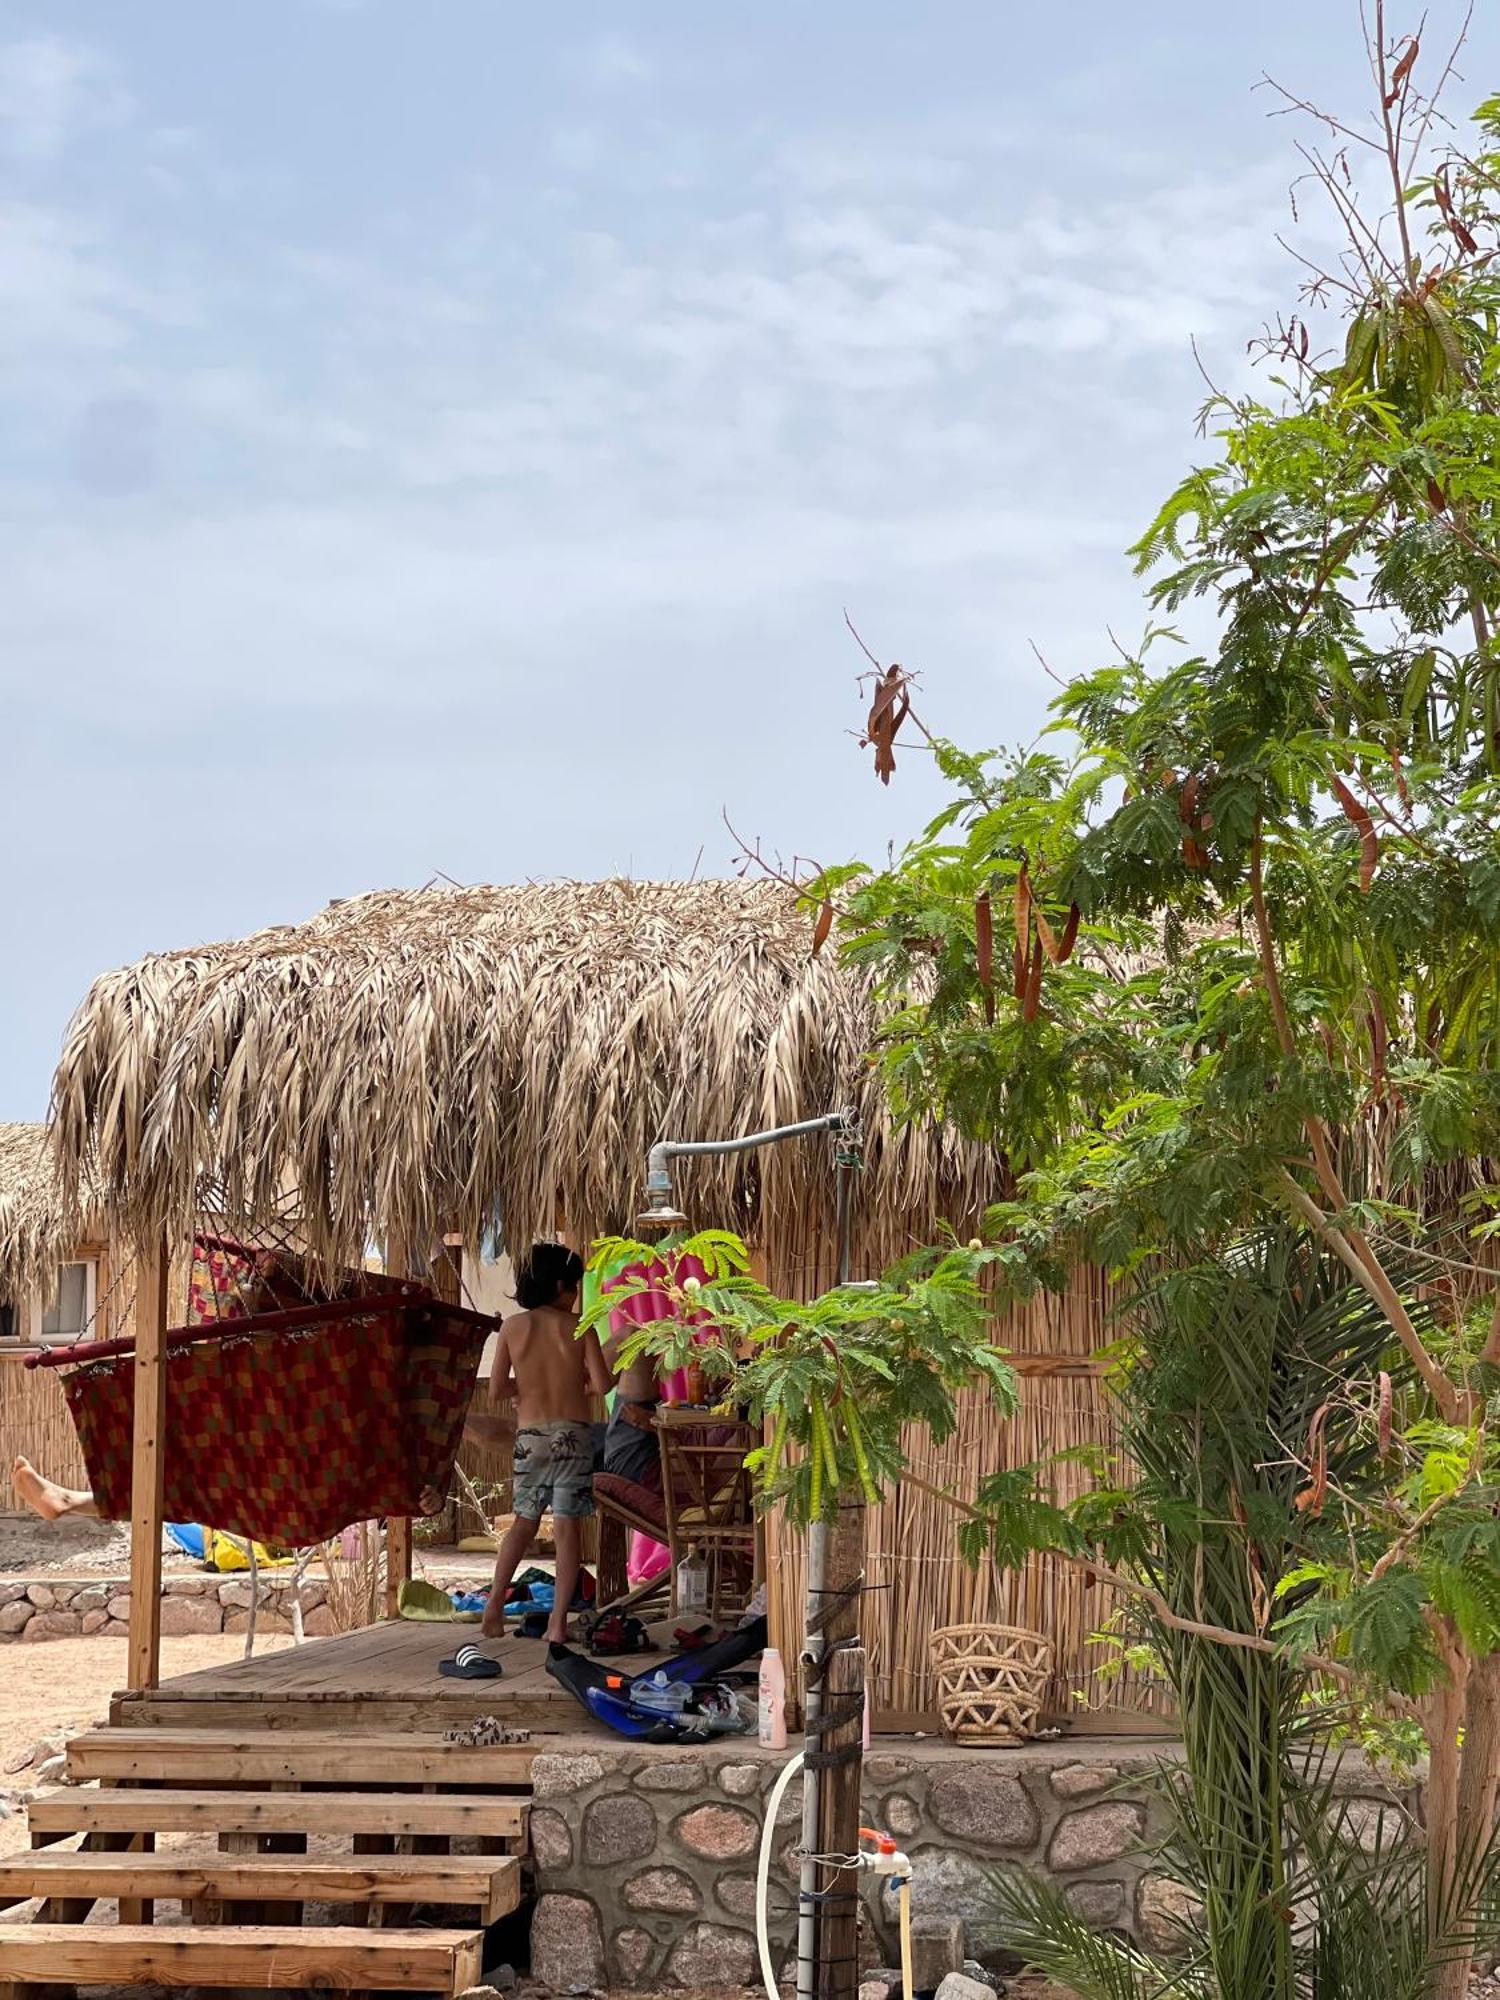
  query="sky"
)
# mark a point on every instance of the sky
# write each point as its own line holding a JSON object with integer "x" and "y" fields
{"x": 441, "y": 437}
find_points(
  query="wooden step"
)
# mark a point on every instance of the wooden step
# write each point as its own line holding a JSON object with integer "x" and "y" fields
{"x": 491, "y": 1885}
{"x": 338, "y": 1960}
{"x": 55, "y": 1815}
{"x": 303, "y": 1756}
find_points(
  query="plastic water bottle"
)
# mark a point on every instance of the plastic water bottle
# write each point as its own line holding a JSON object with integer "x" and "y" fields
{"x": 772, "y": 1700}
{"x": 692, "y": 1582}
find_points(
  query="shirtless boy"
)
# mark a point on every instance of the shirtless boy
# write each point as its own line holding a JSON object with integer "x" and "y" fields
{"x": 550, "y": 1370}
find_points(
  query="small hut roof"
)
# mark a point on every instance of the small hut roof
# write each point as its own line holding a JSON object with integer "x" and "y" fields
{"x": 413, "y": 1062}
{"x": 33, "y": 1214}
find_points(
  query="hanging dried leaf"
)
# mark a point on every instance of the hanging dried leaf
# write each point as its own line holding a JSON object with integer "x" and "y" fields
{"x": 1359, "y": 817}
{"x": 1310, "y": 1500}
{"x": 984, "y": 951}
{"x": 1402, "y": 70}
{"x": 1023, "y": 930}
{"x": 1069, "y": 937}
{"x": 1437, "y": 499}
{"x": 1463, "y": 235}
{"x": 888, "y": 711}
{"x": 1187, "y": 801}
{"x": 822, "y": 927}
{"x": 1033, "y": 997}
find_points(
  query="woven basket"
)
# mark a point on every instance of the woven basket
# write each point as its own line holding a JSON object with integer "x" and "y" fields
{"x": 990, "y": 1681}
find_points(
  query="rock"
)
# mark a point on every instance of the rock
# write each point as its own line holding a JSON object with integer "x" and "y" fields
{"x": 959, "y": 1986}
{"x": 45, "y": 1749}
{"x": 119, "y": 1607}
{"x": 948, "y": 1884}
{"x": 17, "y": 1615}
{"x": 551, "y": 1839}
{"x": 1377, "y": 1826}
{"x": 937, "y": 1949}
{"x": 555, "y": 1773}
{"x": 983, "y": 1807}
{"x": 710, "y": 1955}
{"x": 118, "y": 1628}
{"x": 739, "y": 1780}
{"x": 41, "y": 1595}
{"x": 567, "y": 1944}
{"x": 1101, "y": 1904}
{"x": 879, "y": 1989}
{"x": 718, "y": 1833}
{"x": 9, "y": 1592}
{"x": 94, "y": 1598}
{"x": 182, "y": 1617}
{"x": 618, "y": 1827}
{"x": 1095, "y": 1834}
{"x": 54, "y": 1771}
{"x": 685, "y": 1774}
{"x": 789, "y": 1812}
{"x": 1166, "y": 1913}
{"x": 235, "y": 1595}
{"x": 54, "y": 1625}
{"x": 665, "y": 1889}
{"x": 884, "y": 1770}
{"x": 1077, "y": 1781}
{"x": 633, "y": 1950}
{"x": 318, "y": 1623}
{"x": 18, "y": 1760}
{"x": 267, "y": 1622}
{"x": 901, "y": 1815}
{"x": 737, "y": 1895}
{"x": 187, "y": 1586}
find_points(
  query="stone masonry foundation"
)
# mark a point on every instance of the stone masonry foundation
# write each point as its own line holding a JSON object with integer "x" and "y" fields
{"x": 645, "y": 1857}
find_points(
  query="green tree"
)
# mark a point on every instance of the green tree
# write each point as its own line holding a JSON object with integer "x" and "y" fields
{"x": 1224, "y": 947}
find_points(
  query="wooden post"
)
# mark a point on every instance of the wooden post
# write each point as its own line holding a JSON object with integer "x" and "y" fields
{"x": 148, "y": 1466}
{"x": 839, "y": 1783}
{"x": 397, "y": 1529}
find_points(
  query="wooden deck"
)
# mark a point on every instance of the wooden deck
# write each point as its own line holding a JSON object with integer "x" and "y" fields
{"x": 385, "y": 1678}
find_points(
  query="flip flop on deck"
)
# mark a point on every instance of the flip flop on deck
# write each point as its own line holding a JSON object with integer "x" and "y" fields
{"x": 469, "y": 1664}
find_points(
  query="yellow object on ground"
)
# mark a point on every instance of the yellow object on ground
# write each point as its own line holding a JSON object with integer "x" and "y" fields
{"x": 430, "y": 1606}
{"x": 227, "y": 1553}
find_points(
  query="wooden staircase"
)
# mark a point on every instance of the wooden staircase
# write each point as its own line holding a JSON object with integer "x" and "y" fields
{"x": 251, "y": 1803}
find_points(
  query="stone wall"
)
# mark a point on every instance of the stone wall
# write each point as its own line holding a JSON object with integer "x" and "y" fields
{"x": 61, "y": 1607}
{"x": 645, "y": 1857}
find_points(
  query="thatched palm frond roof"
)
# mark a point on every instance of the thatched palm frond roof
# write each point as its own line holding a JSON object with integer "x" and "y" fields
{"x": 33, "y": 1214}
{"x": 410, "y": 1061}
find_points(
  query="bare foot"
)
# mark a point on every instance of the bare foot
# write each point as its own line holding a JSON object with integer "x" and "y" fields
{"x": 45, "y": 1496}
{"x": 557, "y": 1635}
{"x": 492, "y": 1625}
{"x": 431, "y": 1502}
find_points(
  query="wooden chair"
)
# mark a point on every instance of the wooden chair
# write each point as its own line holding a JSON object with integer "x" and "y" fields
{"x": 620, "y": 1506}
{"x": 709, "y": 1502}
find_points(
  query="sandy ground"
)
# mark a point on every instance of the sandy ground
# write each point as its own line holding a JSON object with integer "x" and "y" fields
{"x": 65, "y": 1685}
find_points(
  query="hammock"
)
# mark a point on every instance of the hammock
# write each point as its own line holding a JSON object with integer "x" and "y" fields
{"x": 285, "y": 1426}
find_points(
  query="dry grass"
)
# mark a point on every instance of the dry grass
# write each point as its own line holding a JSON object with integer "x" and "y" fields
{"x": 33, "y": 1212}
{"x": 415, "y": 1061}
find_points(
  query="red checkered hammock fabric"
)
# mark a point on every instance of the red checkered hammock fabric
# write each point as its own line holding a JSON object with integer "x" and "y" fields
{"x": 287, "y": 1433}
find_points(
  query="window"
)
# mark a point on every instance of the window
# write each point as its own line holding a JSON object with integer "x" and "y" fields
{"x": 67, "y": 1316}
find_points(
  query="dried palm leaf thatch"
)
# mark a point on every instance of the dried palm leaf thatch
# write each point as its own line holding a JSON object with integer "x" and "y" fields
{"x": 34, "y": 1214}
{"x": 412, "y": 1062}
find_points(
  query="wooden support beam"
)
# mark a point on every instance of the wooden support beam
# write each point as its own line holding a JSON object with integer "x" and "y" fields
{"x": 397, "y": 1528}
{"x": 839, "y": 1785}
{"x": 148, "y": 1464}
{"x": 294, "y": 1756}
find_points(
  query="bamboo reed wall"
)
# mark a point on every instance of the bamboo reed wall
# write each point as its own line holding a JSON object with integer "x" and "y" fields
{"x": 34, "y": 1419}
{"x": 916, "y": 1580}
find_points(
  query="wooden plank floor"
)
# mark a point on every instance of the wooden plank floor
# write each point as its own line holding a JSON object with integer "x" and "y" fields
{"x": 384, "y": 1678}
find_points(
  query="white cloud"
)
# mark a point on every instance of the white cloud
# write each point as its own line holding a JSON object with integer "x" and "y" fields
{"x": 52, "y": 91}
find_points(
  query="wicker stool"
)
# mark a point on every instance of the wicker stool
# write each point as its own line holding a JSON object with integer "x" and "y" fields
{"x": 990, "y": 1681}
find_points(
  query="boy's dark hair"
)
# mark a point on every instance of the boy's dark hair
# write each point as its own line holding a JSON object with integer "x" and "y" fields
{"x": 551, "y": 1268}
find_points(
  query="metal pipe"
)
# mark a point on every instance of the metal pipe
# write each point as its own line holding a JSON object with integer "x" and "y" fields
{"x": 661, "y": 1155}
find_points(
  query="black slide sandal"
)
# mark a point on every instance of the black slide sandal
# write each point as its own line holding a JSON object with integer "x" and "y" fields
{"x": 469, "y": 1664}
